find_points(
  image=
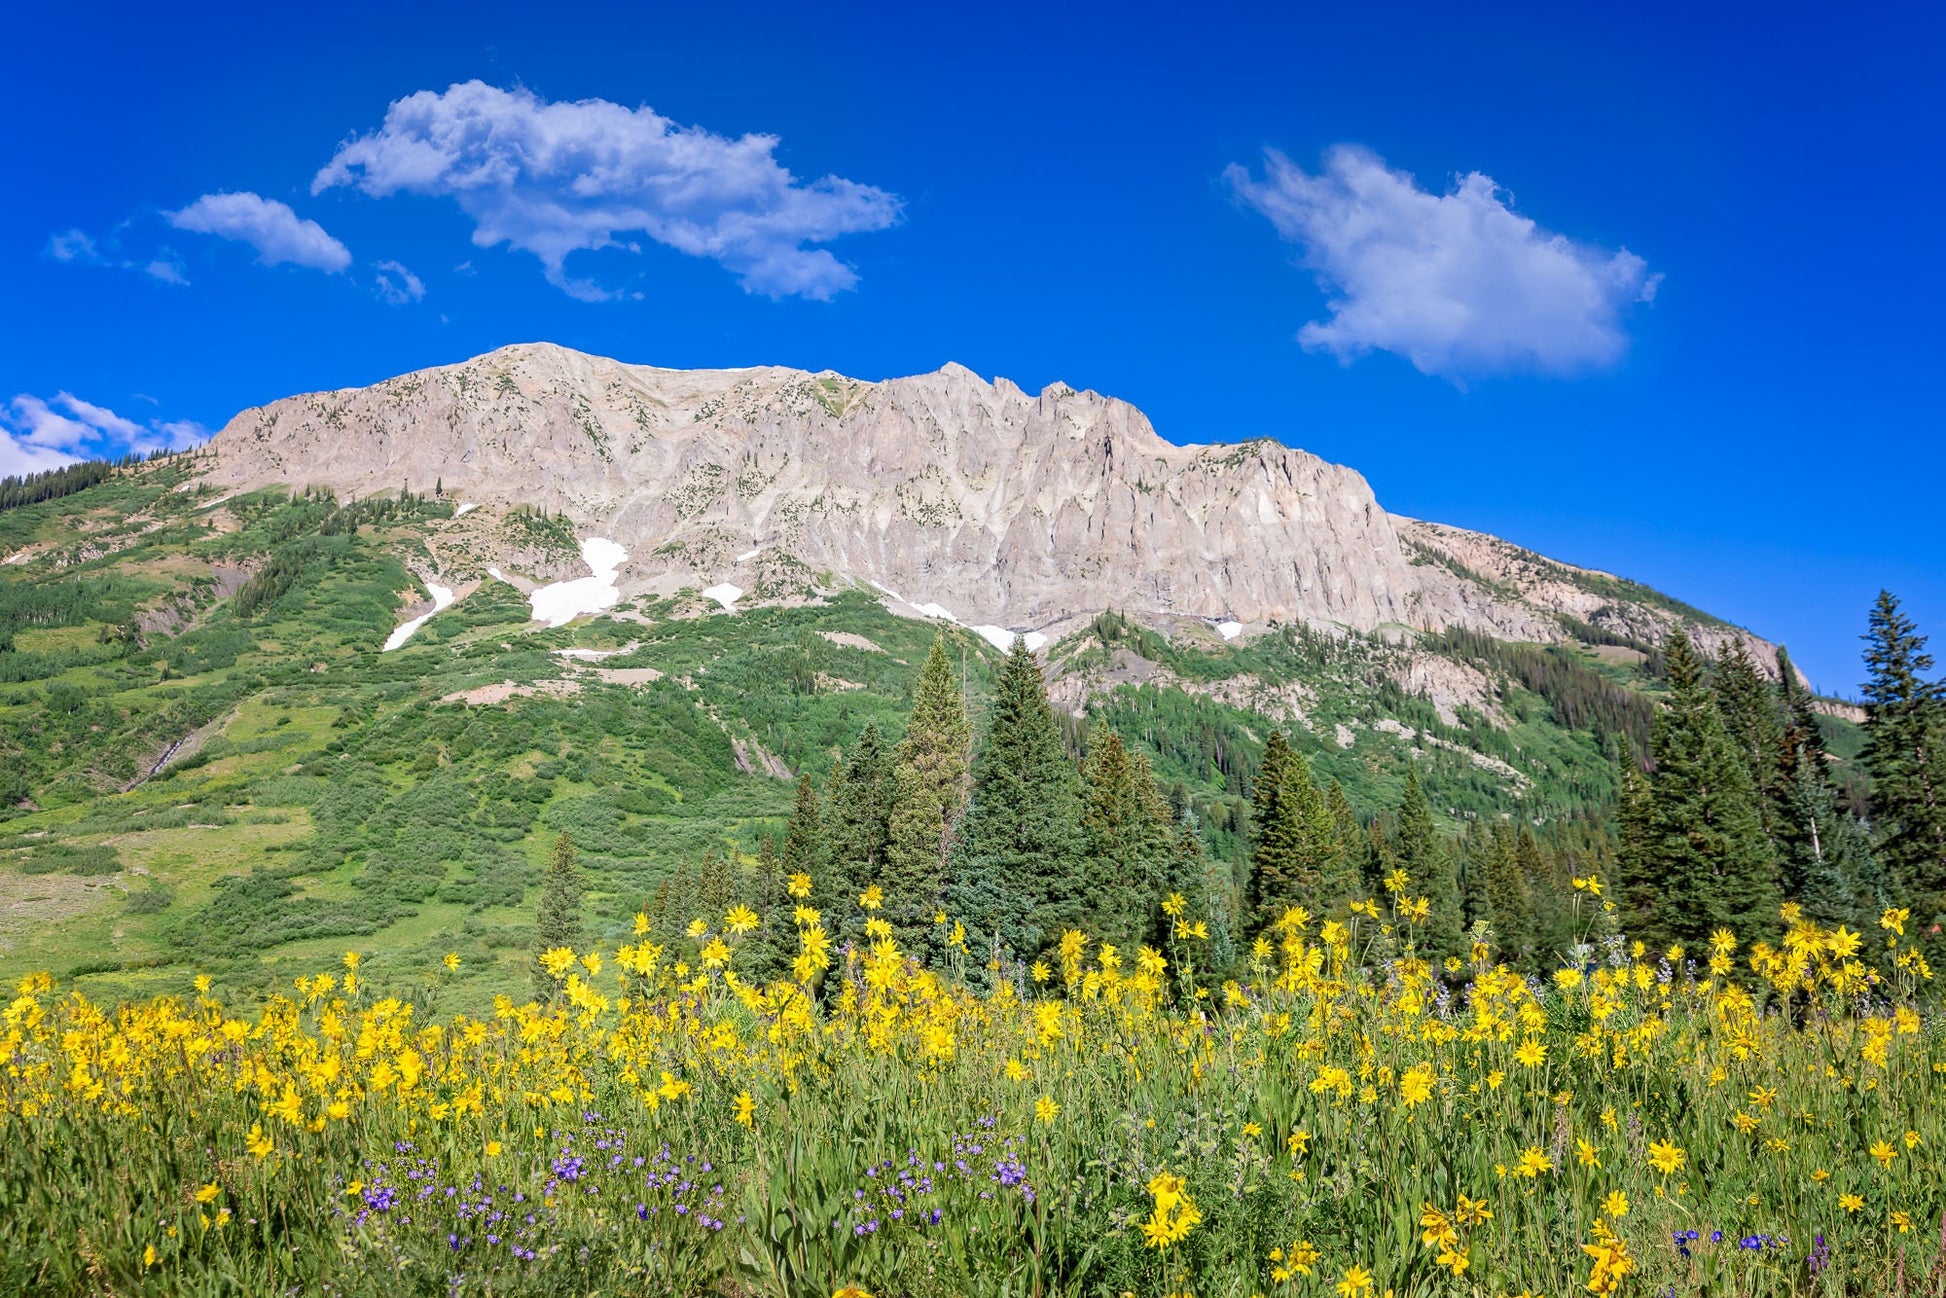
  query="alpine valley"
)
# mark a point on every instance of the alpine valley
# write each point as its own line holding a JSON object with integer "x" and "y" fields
{"x": 349, "y": 670}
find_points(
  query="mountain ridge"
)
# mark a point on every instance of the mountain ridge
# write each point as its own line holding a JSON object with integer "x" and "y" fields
{"x": 1032, "y": 512}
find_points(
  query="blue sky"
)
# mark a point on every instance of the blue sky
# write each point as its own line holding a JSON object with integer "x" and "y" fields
{"x": 1654, "y": 290}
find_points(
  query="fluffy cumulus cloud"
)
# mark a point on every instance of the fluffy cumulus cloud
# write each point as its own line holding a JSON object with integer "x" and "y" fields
{"x": 272, "y": 228}
{"x": 555, "y": 178}
{"x": 1458, "y": 283}
{"x": 395, "y": 284}
{"x": 44, "y": 433}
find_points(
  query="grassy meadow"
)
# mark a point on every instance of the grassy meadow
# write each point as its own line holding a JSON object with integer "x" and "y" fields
{"x": 1345, "y": 1120}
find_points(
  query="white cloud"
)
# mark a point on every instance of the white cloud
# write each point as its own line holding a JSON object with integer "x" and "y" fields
{"x": 100, "y": 417}
{"x": 74, "y": 245}
{"x": 557, "y": 178}
{"x": 35, "y": 435}
{"x": 397, "y": 285}
{"x": 277, "y": 233}
{"x": 79, "y": 248}
{"x": 1458, "y": 283}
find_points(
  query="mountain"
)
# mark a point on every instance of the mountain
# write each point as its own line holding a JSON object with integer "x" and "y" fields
{"x": 289, "y": 692}
{"x": 1033, "y": 513}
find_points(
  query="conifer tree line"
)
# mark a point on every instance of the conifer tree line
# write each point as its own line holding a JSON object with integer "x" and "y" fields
{"x": 19, "y": 489}
{"x": 987, "y": 852}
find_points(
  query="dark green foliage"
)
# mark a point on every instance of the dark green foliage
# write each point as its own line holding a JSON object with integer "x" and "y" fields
{"x": 1134, "y": 853}
{"x": 767, "y": 952}
{"x": 1905, "y": 749}
{"x": 929, "y": 789}
{"x": 1825, "y": 853}
{"x": 52, "y": 484}
{"x": 1016, "y": 876}
{"x": 715, "y": 887}
{"x": 1752, "y": 719}
{"x": 1701, "y": 860}
{"x": 62, "y": 858}
{"x": 152, "y": 900}
{"x": 804, "y": 839}
{"x": 857, "y": 821}
{"x": 557, "y": 919}
{"x": 123, "y": 644}
{"x": 1510, "y": 909}
{"x": 1580, "y": 697}
{"x": 1297, "y": 844}
{"x": 1416, "y": 849}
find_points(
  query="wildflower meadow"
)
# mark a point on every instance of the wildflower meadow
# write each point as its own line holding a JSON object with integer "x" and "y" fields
{"x": 1348, "y": 1120}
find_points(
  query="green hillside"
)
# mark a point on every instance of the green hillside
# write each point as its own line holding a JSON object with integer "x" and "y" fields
{"x": 206, "y": 764}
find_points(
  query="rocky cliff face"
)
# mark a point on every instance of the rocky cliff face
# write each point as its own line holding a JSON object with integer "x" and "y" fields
{"x": 1032, "y": 512}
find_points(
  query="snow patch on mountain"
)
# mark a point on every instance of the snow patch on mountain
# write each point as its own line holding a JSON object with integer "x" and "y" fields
{"x": 559, "y": 603}
{"x": 442, "y": 598}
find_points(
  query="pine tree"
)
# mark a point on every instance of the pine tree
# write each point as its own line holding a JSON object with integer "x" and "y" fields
{"x": 1509, "y": 908}
{"x": 1905, "y": 749}
{"x": 1417, "y": 850}
{"x": 1708, "y": 864}
{"x": 857, "y": 824}
{"x": 1801, "y": 742}
{"x": 557, "y": 919}
{"x": 680, "y": 903}
{"x": 1015, "y": 879}
{"x": 802, "y": 852}
{"x": 1130, "y": 841}
{"x": 929, "y": 788}
{"x": 1803, "y": 818}
{"x": 1342, "y": 881}
{"x": 1294, "y": 833}
{"x": 1273, "y": 835}
{"x": 1548, "y": 880}
{"x": 715, "y": 887}
{"x": 1191, "y": 875}
{"x": 1752, "y": 720}
{"x": 1639, "y": 882}
{"x": 1470, "y": 865}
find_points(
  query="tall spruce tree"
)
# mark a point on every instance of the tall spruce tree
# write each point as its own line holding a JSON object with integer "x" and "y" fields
{"x": 1417, "y": 850}
{"x": 804, "y": 849}
{"x": 1294, "y": 835}
{"x": 802, "y": 852}
{"x": 1800, "y": 826}
{"x": 929, "y": 789}
{"x": 1470, "y": 863}
{"x": 1509, "y": 907}
{"x": 1273, "y": 831}
{"x": 1708, "y": 864}
{"x": 1824, "y": 851}
{"x": 1639, "y": 882}
{"x": 1548, "y": 879}
{"x": 857, "y": 823}
{"x": 715, "y": 887}
{"x": 1192, "y": 876}
{"x": 1905, "y": 749}
{"x": 1754, "y": 722}
{"x": 1016, "y": 879}
{"x": 1342, "y": 881}
{"x": 557, "y": 918}
{"x": 1130, "y": 837}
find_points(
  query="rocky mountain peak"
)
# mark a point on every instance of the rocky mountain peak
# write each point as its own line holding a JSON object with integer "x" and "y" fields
{"x": 1028, "y": 512}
